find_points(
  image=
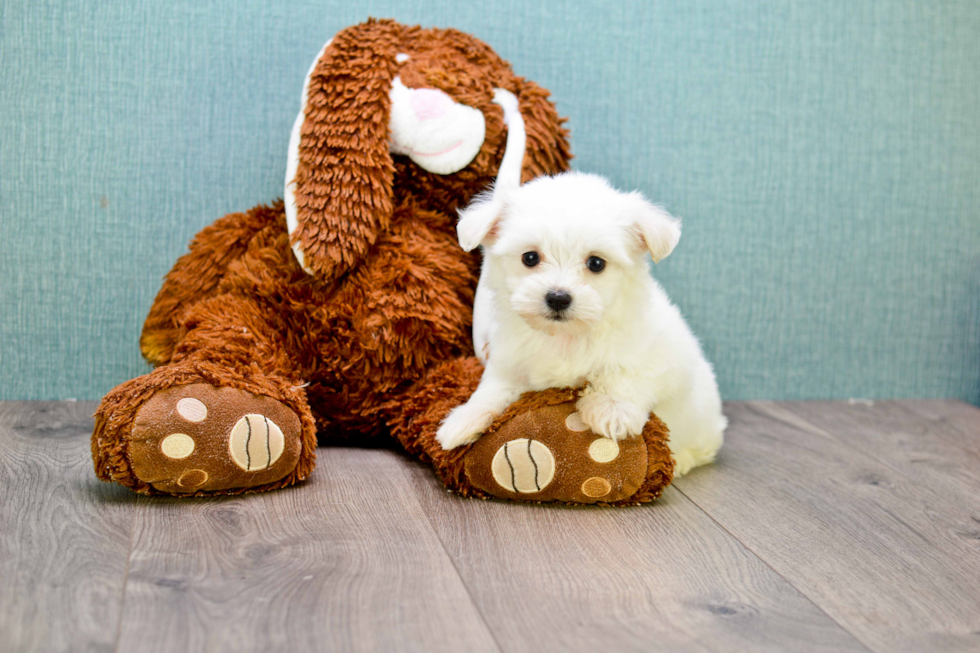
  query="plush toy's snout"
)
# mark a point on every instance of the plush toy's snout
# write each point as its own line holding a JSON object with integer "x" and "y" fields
{"x": 429, "y": 103}
{"x": 440, "y": 135}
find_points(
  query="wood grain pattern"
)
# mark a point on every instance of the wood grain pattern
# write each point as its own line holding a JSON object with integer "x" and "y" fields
{"x": 935, "y": 443}
{"x": 345, "y": 562}
{"x": 64, "y": 535}
{"x": 662, "y": 576}
{"x": 824, "y": 526}
{"x": 870, "y": 543}
{"x": 962, "y": 416}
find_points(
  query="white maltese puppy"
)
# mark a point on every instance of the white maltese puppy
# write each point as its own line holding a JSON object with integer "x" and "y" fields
{"x": 565, "y": 298}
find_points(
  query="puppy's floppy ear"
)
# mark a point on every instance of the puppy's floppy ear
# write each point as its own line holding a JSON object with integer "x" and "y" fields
{"x": 657, "y": 230}
{"x": 478, "y": 221}
{"x": 340, "y": 173}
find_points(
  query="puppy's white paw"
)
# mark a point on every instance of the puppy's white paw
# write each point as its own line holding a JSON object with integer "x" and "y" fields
{"x": 683, "y": 463}
{"x": 610, "y": 417}
{"x": 687, "y": 459}
{"x": 463, "y": 425}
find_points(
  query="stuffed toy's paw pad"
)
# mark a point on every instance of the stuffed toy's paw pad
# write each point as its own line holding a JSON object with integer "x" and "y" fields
{"x": 549, "y": 454}
{"x": 199, "y": 438}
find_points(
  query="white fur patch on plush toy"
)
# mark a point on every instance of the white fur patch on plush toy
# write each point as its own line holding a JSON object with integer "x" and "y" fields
{"x": 433, "y": 130}
{"x": 292, "y": 162}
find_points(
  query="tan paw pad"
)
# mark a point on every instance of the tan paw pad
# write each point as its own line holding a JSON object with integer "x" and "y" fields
{"x": 191, "y": 409}
{"x": 603, "y": 450}
{"x": 192, "y": 478}
{"x": 523, "y": 465}
{"x": 256, "y": 442}
{"x": 574, "y": 423}
{"x": 177, "y": 446}
{"x": 596, "y": 487}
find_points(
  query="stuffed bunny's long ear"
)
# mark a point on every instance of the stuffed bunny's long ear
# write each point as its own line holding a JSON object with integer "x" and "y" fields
{"x": 339, "y": 173}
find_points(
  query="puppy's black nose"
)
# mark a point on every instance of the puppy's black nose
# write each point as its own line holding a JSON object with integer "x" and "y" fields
{"x": 558, "y": 300}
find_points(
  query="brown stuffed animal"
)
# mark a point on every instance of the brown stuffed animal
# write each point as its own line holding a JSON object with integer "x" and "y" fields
{"x": 346, "y": 310}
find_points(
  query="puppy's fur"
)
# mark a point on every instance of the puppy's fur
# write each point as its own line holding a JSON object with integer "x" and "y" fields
{"x": 620, "y": 336}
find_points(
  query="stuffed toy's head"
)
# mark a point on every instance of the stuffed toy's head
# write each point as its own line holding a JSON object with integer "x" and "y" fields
{"x": 389, "y": 111}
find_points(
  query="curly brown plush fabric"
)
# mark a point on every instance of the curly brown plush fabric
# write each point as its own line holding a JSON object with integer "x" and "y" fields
{"x": 348, "y": 347}
{"x": 391, "y": 294}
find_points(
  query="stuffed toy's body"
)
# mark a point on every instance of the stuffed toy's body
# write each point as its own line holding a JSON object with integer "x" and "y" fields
{"x": 345, "y": 310}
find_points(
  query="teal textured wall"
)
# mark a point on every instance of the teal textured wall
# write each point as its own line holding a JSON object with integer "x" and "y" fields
{"x": 825, "y": 157}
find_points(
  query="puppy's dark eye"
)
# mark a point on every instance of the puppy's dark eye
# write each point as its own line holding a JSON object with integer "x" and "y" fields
{"x": 596, "y": 264}
{"x": 530, "y": 259}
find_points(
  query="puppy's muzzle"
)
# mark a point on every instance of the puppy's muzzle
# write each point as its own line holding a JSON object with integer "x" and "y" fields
{"x": 558, "y": 301}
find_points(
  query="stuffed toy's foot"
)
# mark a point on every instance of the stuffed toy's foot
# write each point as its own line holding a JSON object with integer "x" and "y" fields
{"x": 538, "y": 450}
{"x": 199, "y": 438}
{"x": 541, "y": 451}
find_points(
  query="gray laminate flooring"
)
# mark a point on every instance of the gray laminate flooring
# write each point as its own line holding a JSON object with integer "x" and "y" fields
{"x": 823, "y": 526}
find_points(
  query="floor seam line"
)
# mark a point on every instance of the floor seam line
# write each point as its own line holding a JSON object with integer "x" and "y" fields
{"x": 870, "y": 454}
{"x": 476, "y": 606}
{"x": 125, "y": 585}
{"x": 764, "y": 562}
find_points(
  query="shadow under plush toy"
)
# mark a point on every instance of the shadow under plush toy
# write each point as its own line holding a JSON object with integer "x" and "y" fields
{"x": 346, "y": 309}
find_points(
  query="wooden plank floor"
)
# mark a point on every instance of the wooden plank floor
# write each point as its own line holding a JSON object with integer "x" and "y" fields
{"x": 823, "y": 526}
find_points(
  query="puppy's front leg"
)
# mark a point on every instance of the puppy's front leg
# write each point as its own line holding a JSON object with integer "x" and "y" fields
{"x": 612, "y": 407}
{"x": 465, "y": 423}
